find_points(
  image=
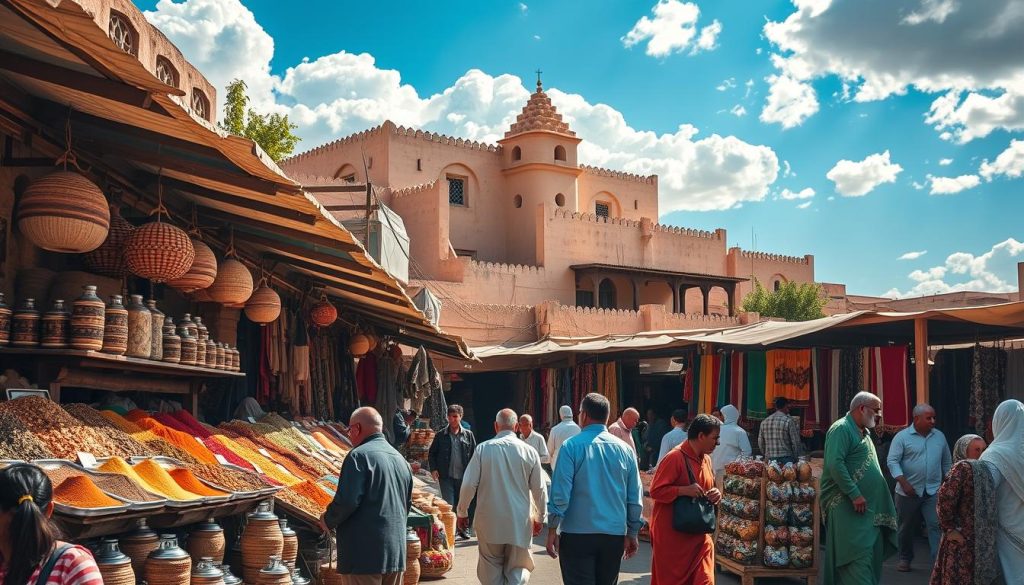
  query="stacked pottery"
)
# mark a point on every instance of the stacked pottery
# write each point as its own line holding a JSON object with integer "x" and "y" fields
{"x": 221, "y": 357}
{"x": 206, "y": 572}
{"x": 189, "y": 324}
{"x": 168, "y": 564}
{"x": 261, "y": 540}
{"x": 275, "y": 573}
{"x": 413, "y": 549}
{"x": 290, "y": 551}
{"x": 211, "y": 353}
{"x": 88, "y": 315}
{"x": 56, "y": 327}
{"x": 114, "y": 565}
{"x": 188, "y": 343}
{"x": 25, "y": 327}
{"x": 207, "y": 540}
{"x": 202, "y": 334}
{"x": 138, "y": 545}
{"x": 140, "y": 329}
{"x": 156, "y": 348}
{"x": 5, "y": 322}
{"x": 236, "y": 360}
{"x": 115, "y": 329}
{"x": 229, "y": 577}
{"x": 172, "y": 343}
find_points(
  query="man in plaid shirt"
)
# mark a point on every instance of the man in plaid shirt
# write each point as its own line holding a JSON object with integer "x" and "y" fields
{"x": 779, "y": 437}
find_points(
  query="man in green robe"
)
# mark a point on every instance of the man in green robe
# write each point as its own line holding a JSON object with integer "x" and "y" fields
{"x": 860, "y": 517}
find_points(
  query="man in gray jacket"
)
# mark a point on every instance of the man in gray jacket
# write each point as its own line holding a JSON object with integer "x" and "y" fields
{"x": 371, "y": 508}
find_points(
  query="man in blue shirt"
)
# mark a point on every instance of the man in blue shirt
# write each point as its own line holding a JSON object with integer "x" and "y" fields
{"x": 918, "y": 459}
{"x": 595, "y": 501}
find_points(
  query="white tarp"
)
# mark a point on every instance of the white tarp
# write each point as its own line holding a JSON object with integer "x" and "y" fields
{"x": 388, "y": 242}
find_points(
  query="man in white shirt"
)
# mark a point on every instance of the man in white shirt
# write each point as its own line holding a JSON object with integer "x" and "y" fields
{"x": 561, "y": 432}
{"x": 535, "y": 440}
{"x": 676, "y": 436}
{"x": 503, "y": 475}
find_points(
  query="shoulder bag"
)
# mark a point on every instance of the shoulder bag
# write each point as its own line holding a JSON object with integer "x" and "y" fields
{"x": 693, "y": 515}
{"x": 47, "y": 569}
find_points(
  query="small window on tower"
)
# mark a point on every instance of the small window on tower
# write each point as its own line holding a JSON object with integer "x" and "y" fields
{"x": 602, "y": 209}
{"x": 517, "y": 153}
{"x": 559, "y": 152}
{"x": 457, "y": 191}
{"x": 349, "y": 178}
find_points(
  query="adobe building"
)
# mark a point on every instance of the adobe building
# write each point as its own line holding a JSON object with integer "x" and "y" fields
{"x": 519, "y": 241}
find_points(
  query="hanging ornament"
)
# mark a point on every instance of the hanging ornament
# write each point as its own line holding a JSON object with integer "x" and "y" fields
{"x": 159, "y": 251}
{"x": 359, "y": 345}
{"x": 64, "y": 211}
{"x": 323, "y": 314}
{"x": 233, "y": 285}
{"x": 108, "y": 259}
{"x": 264, "y": 306}
{"x": 203, "y": 271}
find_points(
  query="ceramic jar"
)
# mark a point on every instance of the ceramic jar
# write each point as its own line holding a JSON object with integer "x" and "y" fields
{"x": 115, "y": 329}
{"x": 413, "y": 549}
{"x": 229, "y": 577}
{"x": 207, "y": 540}
{"x": 221, "y": 357}
{"x": 88, "y": 316}
{"x": 172, "y": 343}
{"x": 206, "y": 572}
{"x": 140, "y": 328}
{"x": 156, "y": 348}
{"x": 188, "y": 343}
{"x": 211, "y": 354}
{"x": 261, "y": 540}
{"x": 202, "y": 334}
{"x": 114, "y": 565}
{"x": 138, "y": 545}
{"x": 56, "y": 327}
{"x": 187, "y": 322}
{"x": 25, "y": 325}
{"x": 168, "y": 564}
{"x": 275, "y": 573}
{"x": 236, "y": 360}
{"x": 290, "y": 550}
{"x": 5, "y": 322}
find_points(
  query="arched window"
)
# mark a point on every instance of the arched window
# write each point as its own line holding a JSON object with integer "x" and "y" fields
{"x": 778, "y": 285}
{"x": 166, "y": 72}
{"x": 123, "y": 33}
{"x": 560, "y": 200}
{"x": 517, "y": 201}
{"x": 559, "y": 152}
{"x": 606, "y": 295}
{"x": 200, "y": 105}
{"x": 517, "y": 153}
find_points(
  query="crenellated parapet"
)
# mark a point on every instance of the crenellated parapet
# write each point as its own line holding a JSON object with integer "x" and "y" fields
{"x": 746, "y": 255}
{"x": 689, "y": 232}
{"x": 444, "y": 139}
{"x": 414, "y": 190}
{"x": 336, "y": 144}
{"x": 667, "y": 229}
{"x": 501, "y": 268}
{"x": 619, "y": 175}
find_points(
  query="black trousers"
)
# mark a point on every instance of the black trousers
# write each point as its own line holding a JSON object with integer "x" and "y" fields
{"x": 590, "y": 559}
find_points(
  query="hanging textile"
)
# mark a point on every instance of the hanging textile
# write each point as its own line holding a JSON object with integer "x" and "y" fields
{"x": 608, "y": 386}
{"x": 950, "y": 391}
{"x": 724, "y": 392}
{"x": 833, "y": 388}
{"x": 887, "y": 379}
{"x": 388, "y": 388}
{"x": 756, "y": 370}
{"x": 736, "y": 380}
{"x": 300, "y": 370}
{"x": 987, "y": 381}
{"x": 692, "y": 362}
{"x": 263, "y": 392}
{"x": 789, "y": 375}
{"x": 851, "y": 378}
{"x": 1014, "y": 375}
{"x": 708, "y": 384}
{"x": 423, "y": 378}
{"x": 817, "y": 410}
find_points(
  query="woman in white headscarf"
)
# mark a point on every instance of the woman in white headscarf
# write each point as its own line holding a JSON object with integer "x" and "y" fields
{"x": 732, "y": 442}
{"x": 1007, "y": 463}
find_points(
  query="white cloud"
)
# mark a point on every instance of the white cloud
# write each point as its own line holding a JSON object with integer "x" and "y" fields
{"x": 738, "y": 111}
{"x": 341, "y": 93}
{"x": 992, "y": 271}
{"x": 912, "y": 255}
{"x": 803, "y": 194}
{"x": 1009, "y": 163}
{"x": 536, "y": 37}
{"x": 953, "y": 185}
{"x": 855, "y": 179}
{"x": 787, "y": 171}
{"x": 945, "y": 162}
{"x": 672, "y": 30}
{"x": 918, "y": 185}
{"x": 523, "y": 8}
{"x": 726, "y": 84}
{"x": 804, "y": 205}
{"x": 881, "y": 48}
{"x": 789, "y": 101}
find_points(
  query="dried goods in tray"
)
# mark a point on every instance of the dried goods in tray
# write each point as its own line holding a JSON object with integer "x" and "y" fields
{"x": 18, "y": 442}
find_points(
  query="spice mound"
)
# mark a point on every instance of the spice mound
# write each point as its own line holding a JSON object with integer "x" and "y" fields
{"x": 17, "y": 442}
{"x": 157, "y": 476}
{"x": 314, "y": 492}
{"x": 191, "y": 483}
{"x": 81, "y": 492}
{"x": 118, "y": 485}
{"x": 63, "y": 434}
{"x": 232, "y": 479}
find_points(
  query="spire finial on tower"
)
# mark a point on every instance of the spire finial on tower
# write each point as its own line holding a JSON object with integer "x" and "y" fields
{"x": 539, "y": 86}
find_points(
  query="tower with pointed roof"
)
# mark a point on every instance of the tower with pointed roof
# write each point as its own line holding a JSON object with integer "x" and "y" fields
{"x": 540, "y": 166}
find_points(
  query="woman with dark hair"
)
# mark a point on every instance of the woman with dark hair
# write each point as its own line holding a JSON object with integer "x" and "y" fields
{"x": 30, "y": 550}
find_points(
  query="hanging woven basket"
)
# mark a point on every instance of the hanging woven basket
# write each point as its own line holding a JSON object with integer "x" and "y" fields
{"x": 108, "y": 259}
{"x": 159, "y": 252}
{"x": 64, "y": 212}
{"x": 323, "y": 314}
{"x": 264, "y": 306}
{"x": 359, "y": 345}
{"x": 201, "y": 274}
{"x": 233, "y": 285}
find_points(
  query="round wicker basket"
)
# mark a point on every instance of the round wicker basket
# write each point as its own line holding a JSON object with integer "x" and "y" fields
{"x": 201, "y": 274}
{"x": 159, "y": 252}
{"x": 328, "y": 573}
{"x": 264, "y": 306}
{"x": 64, "y": 212}
{"x": 233, "y": 285}
{"x": 359, "y": 345}
{"x": 324, "y": 313}
{"x": 108, "y": 259}
{"x": 435, "y": 563}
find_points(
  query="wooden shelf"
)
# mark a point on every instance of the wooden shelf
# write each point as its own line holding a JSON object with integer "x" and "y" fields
{"x": 106, "y": 361}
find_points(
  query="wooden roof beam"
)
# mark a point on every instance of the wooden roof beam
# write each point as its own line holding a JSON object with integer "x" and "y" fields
{"x": 222, "y": 197}
{"x": 276, "y": 228}
{"x": 328, "y": 272}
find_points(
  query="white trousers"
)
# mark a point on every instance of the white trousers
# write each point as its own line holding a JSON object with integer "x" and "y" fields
{"x": 503, "y": 564}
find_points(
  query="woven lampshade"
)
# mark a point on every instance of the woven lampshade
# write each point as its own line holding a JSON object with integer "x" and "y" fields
{"x": 264, "y": 306}
{"x": 323, "y": 314}
{"x": 64, "y": 212}
{"x": 201, "y": 274}
{"x": 359, "y": 345}
{"x": 233, "y": 285}
{"x": 108, "y": 259}
{"x": 159, "y": 252}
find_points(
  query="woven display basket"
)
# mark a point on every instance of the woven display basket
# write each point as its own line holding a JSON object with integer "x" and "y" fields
{"x": 233, "y": 285}
{"x": 434, "y": 564}
{"x": 359, "y": 345}
{"x": 64, "y": 212}
{"x": 323, "y": 314}
{"x": 413, "y": 549}
{"x": 108, "y": 259}
{"x": 201, "y": 274}
{"x": 264, "y": 305}
{"x": 261, "y": 540}
{"x": 290, "y": 551}
{"x": 138, "y": 545}
{"x": 159, "y": 252}
{"x": 207, "y": 540}
{"x": 328, "y": 573}
{"x": 168, "y": 564}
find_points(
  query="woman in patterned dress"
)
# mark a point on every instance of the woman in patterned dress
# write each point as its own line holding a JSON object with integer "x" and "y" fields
{"x": 967, "y": 553}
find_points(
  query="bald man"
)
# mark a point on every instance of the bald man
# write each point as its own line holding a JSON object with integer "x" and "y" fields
{"x": 371, "y": 508}
{"x": 533, "y": 438}
{"x": 623, "y": 428}
{"x": 505, "y": 476}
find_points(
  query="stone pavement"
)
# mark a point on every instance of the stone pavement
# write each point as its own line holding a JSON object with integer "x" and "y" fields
{"x": 636, "y": 571}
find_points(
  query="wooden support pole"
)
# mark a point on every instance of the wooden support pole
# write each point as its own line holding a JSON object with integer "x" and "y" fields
{"x": 921, "y": 359}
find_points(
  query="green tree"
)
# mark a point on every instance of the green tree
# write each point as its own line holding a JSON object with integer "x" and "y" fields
{"x": 273, "y": 132}
{"x": 792, "y": 301}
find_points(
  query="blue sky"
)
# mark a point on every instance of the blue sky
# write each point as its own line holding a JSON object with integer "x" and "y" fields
{"x": 741, "y": 108}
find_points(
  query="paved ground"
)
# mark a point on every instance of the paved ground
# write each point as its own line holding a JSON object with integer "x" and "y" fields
{"x": 636, "y": 571}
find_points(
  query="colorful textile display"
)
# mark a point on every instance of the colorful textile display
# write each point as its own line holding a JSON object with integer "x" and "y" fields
{"x": 887, "y": 378}
{"x": 987, "y": 382}
{"x": 789, "y": 375}
{"x": 756, "y": 374}
{"x": 1014, "y": 375}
